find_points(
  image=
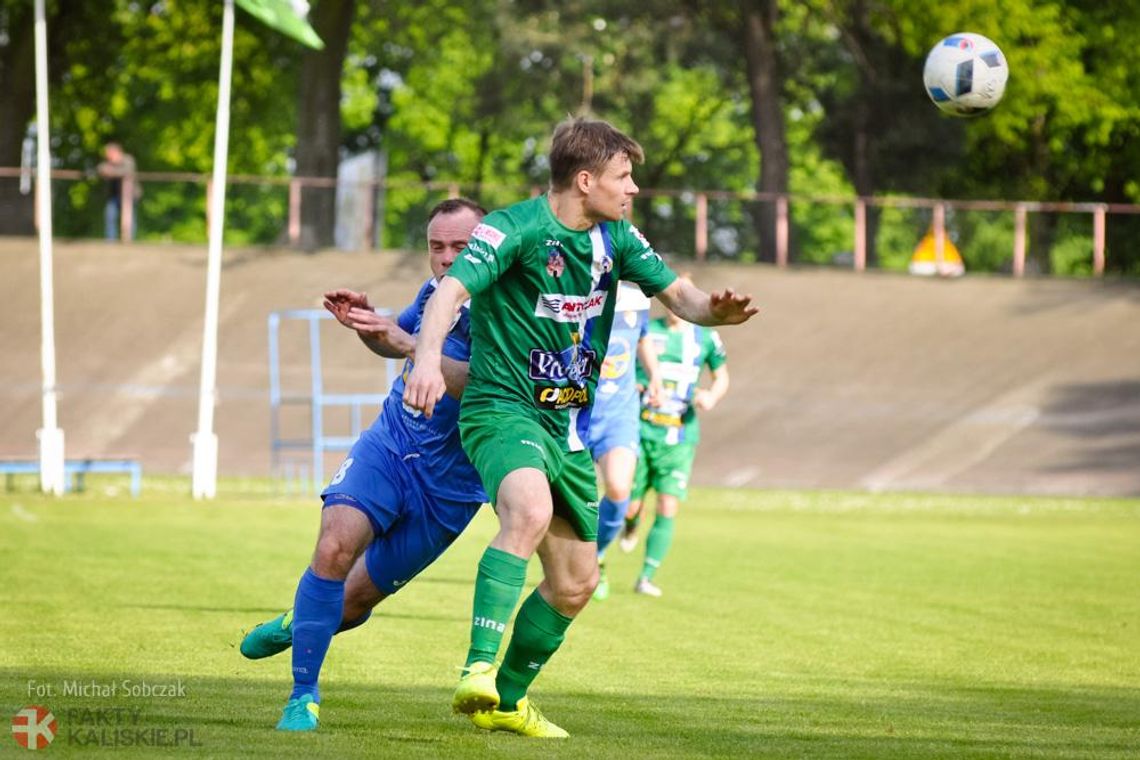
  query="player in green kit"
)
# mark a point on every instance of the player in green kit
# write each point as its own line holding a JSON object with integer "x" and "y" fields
{"x": 542, "y": 277}
{"x": 670, "y": 429}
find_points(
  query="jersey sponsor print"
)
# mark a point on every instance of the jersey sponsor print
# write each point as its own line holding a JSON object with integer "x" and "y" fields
{"x": 683, "y": 352}
{"x": 542, "y": 306}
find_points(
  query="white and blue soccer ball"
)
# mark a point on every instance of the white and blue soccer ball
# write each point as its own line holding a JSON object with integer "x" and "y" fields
{"x": 965, "y": 74}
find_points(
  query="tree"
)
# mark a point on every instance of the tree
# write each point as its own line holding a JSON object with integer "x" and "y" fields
{"x": 68, "y": 23}
{"x": 18, "y": 103}
{"x": 765, "y": 83}
{"x": 319, "y": 119}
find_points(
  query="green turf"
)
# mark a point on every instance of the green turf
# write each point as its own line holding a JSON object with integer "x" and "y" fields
{"x": 793, "y": 625}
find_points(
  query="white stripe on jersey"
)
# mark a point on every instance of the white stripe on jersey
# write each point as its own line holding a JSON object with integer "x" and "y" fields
{"x": 597, "y": 269}
{"x": 573, "y": 440}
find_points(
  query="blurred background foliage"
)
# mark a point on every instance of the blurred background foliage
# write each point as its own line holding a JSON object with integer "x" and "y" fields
{"x": 828, "y": 93}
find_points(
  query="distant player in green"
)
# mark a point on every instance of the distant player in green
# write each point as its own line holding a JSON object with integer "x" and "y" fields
{"x": 670, "y": 430}
{"x": 542, "y": 277}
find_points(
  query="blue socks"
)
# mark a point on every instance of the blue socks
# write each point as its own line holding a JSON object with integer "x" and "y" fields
{"x": 317, "y": 610}
{"x": 611, "y": 519}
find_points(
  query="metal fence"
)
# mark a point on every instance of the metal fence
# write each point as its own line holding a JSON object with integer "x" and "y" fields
{"x": 991, "y": 235}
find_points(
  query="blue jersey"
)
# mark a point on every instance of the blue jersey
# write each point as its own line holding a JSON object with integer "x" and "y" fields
{"x": 617, "y": 395}
{"x": 434, "y": 442}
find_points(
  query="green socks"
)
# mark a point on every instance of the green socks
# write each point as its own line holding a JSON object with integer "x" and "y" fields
{"x": 497, "y": 590}
{"x": 657, "y": 545}
{"x": 538, "y": 632}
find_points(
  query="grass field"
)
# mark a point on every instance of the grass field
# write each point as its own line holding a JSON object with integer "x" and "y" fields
{"x": 794, "y": 625}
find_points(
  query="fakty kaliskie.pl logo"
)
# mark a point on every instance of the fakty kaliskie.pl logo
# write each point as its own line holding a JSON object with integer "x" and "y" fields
{"x": 33, "y": 727}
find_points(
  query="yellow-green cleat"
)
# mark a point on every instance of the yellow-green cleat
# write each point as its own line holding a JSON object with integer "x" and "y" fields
{"x": 525, "y": 720}
{"x": 476, "y": 691}
{"x": 269, "y": 638}
{"x": 301, "y": 714}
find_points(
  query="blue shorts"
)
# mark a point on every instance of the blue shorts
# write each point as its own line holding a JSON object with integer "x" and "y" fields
{"x": 412, "y": 527}
{"x": 612, "y": 432}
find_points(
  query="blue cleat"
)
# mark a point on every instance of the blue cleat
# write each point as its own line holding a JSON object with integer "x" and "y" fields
{"x": 300, "y": 714}
{"x": 269, "y": 638}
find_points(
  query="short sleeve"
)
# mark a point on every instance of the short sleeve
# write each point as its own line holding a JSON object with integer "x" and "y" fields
{"x": 493, "y": 247}
{"x": 640, "y": 263}
{"x": 409, "y": 318}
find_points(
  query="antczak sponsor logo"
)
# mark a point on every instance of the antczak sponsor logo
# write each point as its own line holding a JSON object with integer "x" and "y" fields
{"x": 574, "y": 364}
{"x": 561, "y": 398}
{"x": 564, "y": 308}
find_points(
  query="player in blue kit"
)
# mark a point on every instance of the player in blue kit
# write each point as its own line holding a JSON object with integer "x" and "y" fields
{"x": 615, "y": 439}
{"x": 404, "y": 493}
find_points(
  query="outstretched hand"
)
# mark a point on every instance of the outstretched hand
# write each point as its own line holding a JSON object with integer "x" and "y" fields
{"x": 731, "y": 308}
{"x": 375, "y": 327}
{"x": 340, "y": 301}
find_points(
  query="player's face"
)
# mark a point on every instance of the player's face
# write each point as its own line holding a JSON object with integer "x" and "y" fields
{"x": 612, "y": 191}
{"x": 447, "y": 236}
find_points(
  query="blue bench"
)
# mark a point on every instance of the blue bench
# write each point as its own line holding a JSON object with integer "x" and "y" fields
{"x": 76, "y": 469}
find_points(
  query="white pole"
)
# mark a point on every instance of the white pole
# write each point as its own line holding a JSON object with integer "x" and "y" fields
{"x": 205, "y": 441}
{"x": 50, "y": 435}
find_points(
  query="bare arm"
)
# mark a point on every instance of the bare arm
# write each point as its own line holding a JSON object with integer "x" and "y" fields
{"x": 706, "y": 398}
{"x": 384, "y": 337}
{"x": 381, "y": 334}
{"x": 690, "y": 303}
{"x": 426, "y": 384}
{"x": 647, "y": 355}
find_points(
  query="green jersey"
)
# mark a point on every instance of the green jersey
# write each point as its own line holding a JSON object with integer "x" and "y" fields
{"x": 542, "y": 304}
{"x": 682, "y": 352}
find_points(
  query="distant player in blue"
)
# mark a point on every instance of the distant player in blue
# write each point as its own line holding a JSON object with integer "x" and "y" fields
{"x": 615, "y": 420}
{"x": 401, "y": 497}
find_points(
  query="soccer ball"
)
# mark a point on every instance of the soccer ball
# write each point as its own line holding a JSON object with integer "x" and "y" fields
{"x": 965, "y": 74}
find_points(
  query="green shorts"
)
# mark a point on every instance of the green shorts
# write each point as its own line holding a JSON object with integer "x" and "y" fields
{"x": 664, "y": 467}
{"x": 498, "y": 445}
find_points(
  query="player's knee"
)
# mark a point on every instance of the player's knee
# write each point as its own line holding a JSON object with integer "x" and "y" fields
{"x": 526, "y": 525}
{"x": 669, "y": 507}
{"x": 334, "y": 557}
{"x": 618, "y": 492}
{"x": 571, "y": 594}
